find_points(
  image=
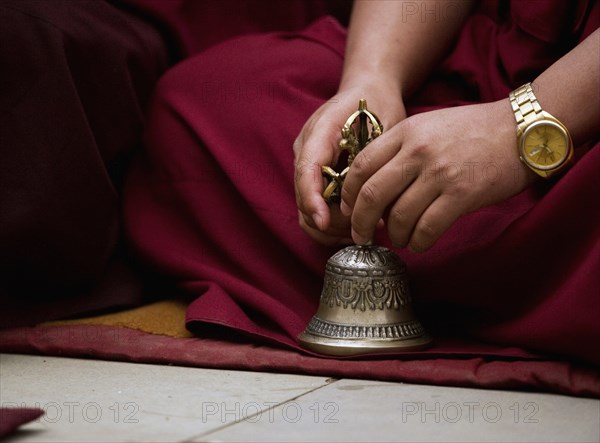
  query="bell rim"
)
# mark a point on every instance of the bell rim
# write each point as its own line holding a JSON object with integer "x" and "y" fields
{"x": 358, "y": 347}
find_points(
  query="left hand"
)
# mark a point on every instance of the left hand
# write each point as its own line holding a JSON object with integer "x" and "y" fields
{"x": 432, "y": 168}
{"x": 318, "y": 145}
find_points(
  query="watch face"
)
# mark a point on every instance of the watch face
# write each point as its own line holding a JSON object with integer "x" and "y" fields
{"x": 545, "y": 145}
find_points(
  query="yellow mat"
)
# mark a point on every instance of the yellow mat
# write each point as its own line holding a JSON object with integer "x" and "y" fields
{"x": 161, "y": 318}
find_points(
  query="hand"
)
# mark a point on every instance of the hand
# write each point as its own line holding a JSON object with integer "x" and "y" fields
{"x": 317, "y": 145}
{"x": 432, "y": 168}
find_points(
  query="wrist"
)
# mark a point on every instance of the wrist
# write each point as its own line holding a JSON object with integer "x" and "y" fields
{"x": 368, "y": 82}
{"x": 506, "y": 129}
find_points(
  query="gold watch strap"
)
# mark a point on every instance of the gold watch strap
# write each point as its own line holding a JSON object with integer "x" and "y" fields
{"x": 525, "y": 106}
{"x": 527, "y": 111}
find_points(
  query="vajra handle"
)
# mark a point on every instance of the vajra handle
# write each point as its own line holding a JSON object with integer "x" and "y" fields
{"x": 355, "y": 136}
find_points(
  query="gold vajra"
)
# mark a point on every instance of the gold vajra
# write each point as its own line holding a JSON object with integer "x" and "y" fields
{"x": 355, "y": 136}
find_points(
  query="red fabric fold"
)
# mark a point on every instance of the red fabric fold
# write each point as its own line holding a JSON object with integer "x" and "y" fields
{"x": 193, "y": 26}
{"x": 12, "y": 418}
{"x": 454, "y": 363}
{"x": 75, "y": 80}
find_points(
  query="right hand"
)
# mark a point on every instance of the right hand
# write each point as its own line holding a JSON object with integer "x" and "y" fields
{"x": 317, "y": 145}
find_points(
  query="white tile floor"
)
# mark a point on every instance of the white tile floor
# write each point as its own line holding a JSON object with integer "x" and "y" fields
{"x": 88, "y": 400}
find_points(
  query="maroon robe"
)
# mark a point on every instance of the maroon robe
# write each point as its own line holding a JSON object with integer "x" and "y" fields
{"x": 211, "y": 201}
{"x": 74, "y": 83}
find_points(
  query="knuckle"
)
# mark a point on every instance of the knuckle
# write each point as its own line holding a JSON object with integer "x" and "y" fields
{"x": 300, "y": 168}
{"x": 427, "y": 229}
{"x": 420, "y": 151}
{"x": 362, "y": 163}
{"x": 297, "y": 146}
{"x": 306, "y": 171}
{"x": 459, "y": 191}
{"x": 451, "y": 172}
{"x": 398, "y": 227}
{"x": 426, "y": 232}
{"x": 397, "y": 217}
{"x": 369, "y": 194}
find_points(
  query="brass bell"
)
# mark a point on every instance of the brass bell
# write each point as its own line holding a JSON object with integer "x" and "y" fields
{"x": 365, "y": 305}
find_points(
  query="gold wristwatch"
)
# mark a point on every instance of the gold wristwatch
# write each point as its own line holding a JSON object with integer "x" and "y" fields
{"x": 544, "y": 143}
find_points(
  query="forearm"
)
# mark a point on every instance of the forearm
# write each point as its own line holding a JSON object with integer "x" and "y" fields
{"x": 400, "y": 42}
{"x": 570, "y": 89}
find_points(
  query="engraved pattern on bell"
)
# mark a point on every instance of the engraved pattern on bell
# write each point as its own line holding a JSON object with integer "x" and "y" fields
{"x": 395, "y": 331}
{"x": 366, "y": 257}
{"x": 365, "y": 277}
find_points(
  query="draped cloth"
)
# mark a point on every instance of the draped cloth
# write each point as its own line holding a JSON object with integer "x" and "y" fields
{"x": 75, "y": 79}
{"x": 211, "y": 203}
{"x": 13, "y": 417}
{"x": 74, "y": 84}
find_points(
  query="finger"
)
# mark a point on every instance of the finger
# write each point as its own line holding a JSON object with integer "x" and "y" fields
{"x": 434, "y": 221}
{"x": 308, "y": 177}
{"x": 376, "y": 194}
{"x": 371, "y": 159}
{"x": 308, "y": 188}
{"x": 338, "y": 227}
{"x": 324, "y": 237}
{"x": 408, "y": 209}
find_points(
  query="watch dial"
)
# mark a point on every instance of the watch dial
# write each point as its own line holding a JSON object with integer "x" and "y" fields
{"x": 545, "y": 145}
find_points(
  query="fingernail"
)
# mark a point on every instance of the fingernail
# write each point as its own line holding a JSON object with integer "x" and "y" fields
{"x": 345, "y": 209}
{"x": 318, "y": 221}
